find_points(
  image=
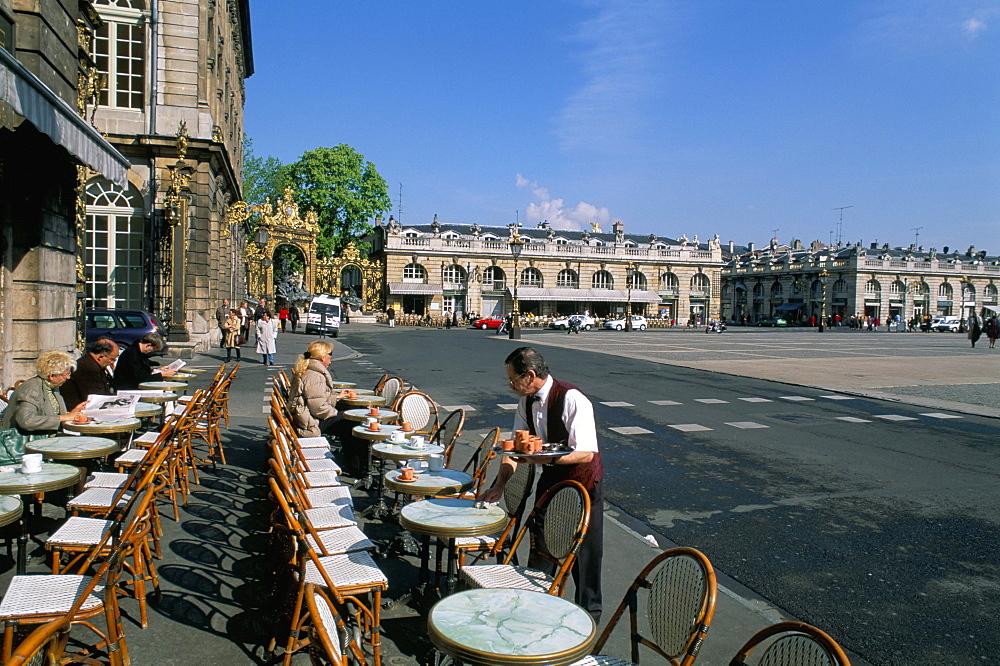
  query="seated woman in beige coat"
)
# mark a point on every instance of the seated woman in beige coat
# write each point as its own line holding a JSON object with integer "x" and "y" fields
{"x": 312, "y": 399}
{"x": 36, "y": 406}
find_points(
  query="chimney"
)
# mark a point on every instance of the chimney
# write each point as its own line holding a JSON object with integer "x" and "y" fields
{"x": 874, "y": 246}
{"x": 618, "y": 227}
{"x": 732, "y": 247}
{"x": 945, "y": 249}
{"x": 749, "y": 247}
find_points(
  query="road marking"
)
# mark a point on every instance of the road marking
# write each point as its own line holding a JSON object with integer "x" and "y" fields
{"x": 689, "y": 427}
{"x": 894, "y": 417}
{"x": 631, "y": 430}
{"x": 664, "y": 402}
{"x": 852, "y": 419}
{"x": 451, "y": 408}
{"x": 939, "y": 415}
{"x": 797, "y": 398}
{"x": 756, "y": 400}
{"x": 509, "y": 406}
{"x": 838, "y": 397}
{"x": 744, "y": 425}
{"x": 711, "y": 401}
{"x": 614, "y": 403}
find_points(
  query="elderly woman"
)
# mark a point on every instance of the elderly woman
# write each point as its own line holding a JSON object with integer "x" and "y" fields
{"x": 36, "y": 406}
{"x": 230, "y": 339}
{"x": 312, "y": 398}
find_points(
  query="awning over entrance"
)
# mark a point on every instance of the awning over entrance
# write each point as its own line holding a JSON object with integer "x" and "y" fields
{"x": 993, "y": 308}
{"x": 788, "y": 307}
{"x": 24, "y": 96}
{"x": 410, "y": 288}
{"x": 593, "y": 295}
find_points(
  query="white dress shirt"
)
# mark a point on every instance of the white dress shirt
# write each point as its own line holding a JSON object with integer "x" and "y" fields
{"x": 578, "y": 415}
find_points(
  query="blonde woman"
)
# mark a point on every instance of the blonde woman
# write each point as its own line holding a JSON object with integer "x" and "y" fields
{"x": 36, "y": 406}
{"x": 312, "y": 398}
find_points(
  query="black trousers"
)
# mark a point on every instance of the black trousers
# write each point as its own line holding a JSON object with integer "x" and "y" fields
{"x": 589, "y": 559}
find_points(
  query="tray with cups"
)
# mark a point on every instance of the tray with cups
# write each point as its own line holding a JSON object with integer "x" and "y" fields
{"x": 532, "y": 448}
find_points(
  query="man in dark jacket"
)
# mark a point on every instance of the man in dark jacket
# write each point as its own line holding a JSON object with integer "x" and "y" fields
{"x": 134, "y": 366}
{"x": 91, "y": 376}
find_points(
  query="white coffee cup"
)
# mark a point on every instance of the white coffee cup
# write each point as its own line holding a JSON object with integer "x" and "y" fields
{"x": 397, "y": 436}
{"x": 31, "y": 463}
{"x": 372, "y": 419}
{"x": 435, "y": 462}
{"x": 417, "y": 442}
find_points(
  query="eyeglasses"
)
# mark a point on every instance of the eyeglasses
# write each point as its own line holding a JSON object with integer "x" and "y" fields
{"x": 520, "y": 376}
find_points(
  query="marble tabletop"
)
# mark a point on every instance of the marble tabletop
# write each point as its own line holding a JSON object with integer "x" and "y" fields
{"x": 11, "y": 508}
{"x": 162, "y": 398}
{"x": 53, "y": 476}
{"x": 145, "y": 410}
{"x": 72, "y": 448}
{"x": 426, "y": 483}
{"x": 337, "y": 384}
{"x": 103, "y": 427}
{"x": 194, "y": 371}
{"x": 163, "y": 385}
{"x": 393, "y": 451}
{"x": 450, "y": 517}
{"x": 500, "y": 626}
{"x": 182, "y": 377}
{"x": 383, "y": 432}
{"x": 361, "y": 401}
{"x": 361, "y": 414}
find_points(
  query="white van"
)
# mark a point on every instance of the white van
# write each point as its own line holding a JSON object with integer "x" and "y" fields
{"x": 324, "y": 315}
{"x": 945, "y": 323}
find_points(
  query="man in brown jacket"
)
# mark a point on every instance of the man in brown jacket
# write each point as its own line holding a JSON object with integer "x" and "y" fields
{"x": 91, "y": 376}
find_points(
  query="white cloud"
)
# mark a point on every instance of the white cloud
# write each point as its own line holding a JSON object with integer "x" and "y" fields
{"x": 555, "y": 211}
{"x": 974, "y": 26}
{"x": 606, "y": 113}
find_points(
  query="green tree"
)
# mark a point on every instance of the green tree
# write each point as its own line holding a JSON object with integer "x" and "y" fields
{"x": 345, "y": 191}
{"x": 262, "y": 176}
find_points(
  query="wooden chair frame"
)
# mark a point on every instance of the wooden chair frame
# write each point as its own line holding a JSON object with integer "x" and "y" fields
{"x": 791, "y": 631}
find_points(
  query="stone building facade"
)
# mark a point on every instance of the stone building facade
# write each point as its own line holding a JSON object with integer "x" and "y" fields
{"x": 170, "y": 97}
{"x": 46, "y": 149}
{"x": 881, "y": 282}
{"x": 436, "y": 268}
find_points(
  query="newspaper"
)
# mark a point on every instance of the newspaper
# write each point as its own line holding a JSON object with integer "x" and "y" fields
{"x": 176, "y": 365}
{"x": 110, "y": 407}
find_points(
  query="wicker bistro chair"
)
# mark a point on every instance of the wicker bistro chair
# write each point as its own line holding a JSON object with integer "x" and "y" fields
{"x": 560, "y": 518}
{"x": 791, "y": 644}
{"x": 515, "y": 500}
{"x": 447, "y": 434}
{"x": 329, "y": 635}
{"x": 418, "y": 410}
{"x": 390, "y": 389}
{"x": 680, "y": 605}
{"x": 352, "y": 578}
{"x": 45, "y": 646}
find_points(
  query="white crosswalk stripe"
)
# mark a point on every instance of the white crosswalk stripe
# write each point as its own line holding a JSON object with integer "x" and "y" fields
{"x": 617, "y": 403}
{"x": 756, "y": 400}
{"x": 451, "y": 408}
{"x": 746, "y": 425}
{"x": 664, "y": 402}
{"x": 939, "y": 415}
{"x": 797, "y": 398}
{"x": 631, "y": 430}
{"x": 894, "y": 417}
{"x": 852, "y": 419}
{"x": 509, "y": 406}
{"x": 689, "y": 427}
{"x": 838, "y": 397}
{"x": 711, "y": 401}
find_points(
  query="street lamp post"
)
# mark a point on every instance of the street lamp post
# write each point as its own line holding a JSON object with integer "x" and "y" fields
{"x": 516, "y": 245}
{"x": 629, "y": 276}
{"x": 822, "y": 304}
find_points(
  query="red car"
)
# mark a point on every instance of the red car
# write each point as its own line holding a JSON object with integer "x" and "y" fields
{"x": 493, "y": 321}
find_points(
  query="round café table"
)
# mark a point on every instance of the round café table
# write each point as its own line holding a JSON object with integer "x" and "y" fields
{"x": 362, "y": 414}
{"x": 74, "y": 448}
{"x": 362, "y": 432}
{"x": 147, "y": 410}
{"x": 121, "y": 427}
{"x": 387, "y": 450}
{"x": 53, "y": 476}
{"x": 182, "y": 377}
{"x": 428, "y": 484}
{"x": 449, "y": 518}
{"x": 505, "y": 627}
{"x": 194, "y": 371}
{"x": 163, "y": 398}
{"x": 360, "y": 401}
{"x": 343, "y": 385}
{"x": 177, "y": 387}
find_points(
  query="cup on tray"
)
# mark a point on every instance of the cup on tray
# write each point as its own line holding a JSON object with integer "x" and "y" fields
{"x": 31, "y": 463}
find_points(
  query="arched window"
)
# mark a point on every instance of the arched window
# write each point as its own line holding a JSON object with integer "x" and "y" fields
{"x": 816, "y": 290}
{"x": 115, "y": 246}
{"x": 758, "y": 291}
{"x": 669, "y": 283}
{"x": 990, "y": 293}
{"x": 700, "y": 284}
{"x": 920, "y": 289}
{"x": 568, "y": 278}
{"x": 603, "y": 280}
{"x": 531, "y": 277}
{"x": 454, "y": 277}
{"x": 639, "y": 281}
{"x": 777, "y": 291}
{"x": 968, "y": 291}
{"x": 414, "y": 273}
{"x": 120, "y": 53}
{"x": 873, "y": 288}
{"x": 840, "y": 287}
{"x": 493, "y": 278}
{"x": 897, "y": 288}
{"x": 944, "y": 291}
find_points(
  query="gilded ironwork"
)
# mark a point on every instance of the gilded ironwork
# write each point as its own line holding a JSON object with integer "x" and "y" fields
{"x": 281, "y": 224}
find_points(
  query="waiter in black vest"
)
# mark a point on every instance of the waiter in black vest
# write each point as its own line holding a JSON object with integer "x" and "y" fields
{"x": 560, "y": 412}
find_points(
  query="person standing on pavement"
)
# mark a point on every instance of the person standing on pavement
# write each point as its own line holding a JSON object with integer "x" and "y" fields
{"x": 246, "y": 316}
{"x": 992, "y": 329}
{"x": 293, "y": 316}
{"x": 559, "y": 412}
{"x": 230, "y": 340}
{"x": 390, "y": 314}
{"x": 221, "y": 314}
{"x": 91, "y": 375}
{"x": 267, "y": 338}
{"x": 261, "y": 309}
{"x": 283, "y": 318}
{"x": 975, "y": 329}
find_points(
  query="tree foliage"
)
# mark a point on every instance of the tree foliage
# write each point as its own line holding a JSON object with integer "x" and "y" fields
{"x": 263, "y": 177}
{"x": 345, "y": 191}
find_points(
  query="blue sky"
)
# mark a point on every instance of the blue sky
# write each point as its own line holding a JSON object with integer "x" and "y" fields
{"x": 698, "y": 117}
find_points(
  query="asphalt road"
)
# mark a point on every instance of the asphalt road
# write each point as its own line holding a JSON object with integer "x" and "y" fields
{"x": 872, "y": 519}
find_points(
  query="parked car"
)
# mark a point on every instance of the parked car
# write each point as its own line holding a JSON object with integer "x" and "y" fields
{"x": 948, "y": 323}
{"x": 585, "y": 322}
{"x": 122, "y": 326}
{"x": 618, "y": 324}
{"x": 493, "y": 321}
{"x": 772, "y": 321}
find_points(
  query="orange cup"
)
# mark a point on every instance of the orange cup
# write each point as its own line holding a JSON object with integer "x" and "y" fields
{"x": 373, "y": 411}
{"x": 407, "y": 427}
{"x": 507, "y": 444}
{"x": 373, "y": 427}
{"x": 80, "y": 418}
{"x": 406, "y": 474}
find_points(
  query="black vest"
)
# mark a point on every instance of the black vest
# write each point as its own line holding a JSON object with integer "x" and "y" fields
{"x": 587, "y": 474}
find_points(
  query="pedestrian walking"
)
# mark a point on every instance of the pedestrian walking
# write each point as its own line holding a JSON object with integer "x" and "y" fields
{"x": 390, "y": 314}
{"x": 992, "y": 329}
{"x": 246, "y": 316}
{"x": 975, "y": 329}
{"x": 231, "y": 338}
{"x": 267, "y": 338}
{"x": 293, "y": 316}
{"x": 283, "y": 318}
{"x": 221, "y": 314}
